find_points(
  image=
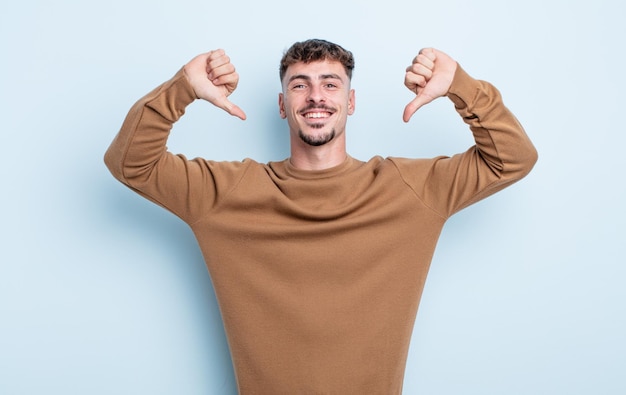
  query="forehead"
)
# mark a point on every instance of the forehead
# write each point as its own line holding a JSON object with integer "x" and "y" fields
{"x": 316, "y": 70}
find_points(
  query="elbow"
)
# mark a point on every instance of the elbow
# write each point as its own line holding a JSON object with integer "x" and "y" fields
{"x": 533, "y": 157}
{"x": 530, "y": 158}
{"x": 114, "y": 162}
{"x": 525, "y": 159}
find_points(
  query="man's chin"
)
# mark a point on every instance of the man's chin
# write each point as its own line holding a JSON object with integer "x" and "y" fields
{"x": 317, "y": 139}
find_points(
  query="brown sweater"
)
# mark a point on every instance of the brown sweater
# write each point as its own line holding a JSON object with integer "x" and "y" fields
{"x": 318, "y": 274}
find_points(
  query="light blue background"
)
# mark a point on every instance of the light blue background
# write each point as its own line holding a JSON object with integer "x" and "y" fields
{"x": 102, "y": 292}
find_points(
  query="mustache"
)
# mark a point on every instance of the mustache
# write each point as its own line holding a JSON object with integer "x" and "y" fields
{"x": 319, "y": 107}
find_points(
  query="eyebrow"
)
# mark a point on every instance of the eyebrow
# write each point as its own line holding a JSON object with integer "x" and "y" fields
{"x": 321, "y": 77}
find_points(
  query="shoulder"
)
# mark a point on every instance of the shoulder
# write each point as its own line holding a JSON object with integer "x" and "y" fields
{"x": 410, "y": 164}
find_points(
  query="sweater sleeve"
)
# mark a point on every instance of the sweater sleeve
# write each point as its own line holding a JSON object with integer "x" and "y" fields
{"x": 138, "y": 156}
{"x": 502, "y": 155}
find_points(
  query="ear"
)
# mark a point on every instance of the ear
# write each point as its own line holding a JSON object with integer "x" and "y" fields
{"x": 281, "y": 106}
{"x": 351, "y": 102}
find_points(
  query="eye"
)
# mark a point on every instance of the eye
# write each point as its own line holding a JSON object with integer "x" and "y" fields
{"x": 298, "y": 86}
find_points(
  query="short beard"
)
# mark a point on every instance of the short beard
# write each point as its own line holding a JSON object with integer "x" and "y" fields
{"x": 317, "y": 141}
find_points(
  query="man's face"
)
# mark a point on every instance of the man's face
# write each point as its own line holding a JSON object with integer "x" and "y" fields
{"x": 316, "y": 101}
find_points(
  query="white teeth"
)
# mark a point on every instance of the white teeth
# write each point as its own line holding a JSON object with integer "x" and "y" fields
{"x": 316, "y": 115}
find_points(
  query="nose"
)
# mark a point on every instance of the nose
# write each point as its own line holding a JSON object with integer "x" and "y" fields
{"x": 316, "y": 94}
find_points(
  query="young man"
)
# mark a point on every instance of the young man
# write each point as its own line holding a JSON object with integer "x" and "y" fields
{"x": 319, "y": 261}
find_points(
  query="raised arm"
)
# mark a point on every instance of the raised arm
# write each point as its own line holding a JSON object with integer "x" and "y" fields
{"x": 138, "y": 155}
{"x": 502, "y": 155}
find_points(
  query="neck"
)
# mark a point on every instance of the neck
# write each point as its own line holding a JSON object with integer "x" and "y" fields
{"x": 307, "y": 157}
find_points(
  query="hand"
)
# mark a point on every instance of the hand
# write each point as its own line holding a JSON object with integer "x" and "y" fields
{"x": 429, "y": 76}
{"x": 213, "y": 79}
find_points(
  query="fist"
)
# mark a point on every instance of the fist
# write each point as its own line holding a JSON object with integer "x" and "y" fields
{"x": 429, "y": 76}
{"x": 213, "y": 78}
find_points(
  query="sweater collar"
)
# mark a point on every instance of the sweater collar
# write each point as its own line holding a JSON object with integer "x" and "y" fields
{"x": 318, "y": 174}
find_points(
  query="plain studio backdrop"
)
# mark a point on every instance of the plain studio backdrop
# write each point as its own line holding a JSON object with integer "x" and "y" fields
{"x": 103, "y": 292}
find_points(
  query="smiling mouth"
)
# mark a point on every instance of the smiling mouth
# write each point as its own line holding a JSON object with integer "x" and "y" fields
{"x": 317, "y": 113}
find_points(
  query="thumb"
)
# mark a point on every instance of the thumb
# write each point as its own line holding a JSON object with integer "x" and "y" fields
{"x": 231, "y": 108}
{"x": 415, "y": 105}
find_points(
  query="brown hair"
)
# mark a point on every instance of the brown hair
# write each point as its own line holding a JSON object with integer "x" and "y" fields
{"x": 316, "y": 50}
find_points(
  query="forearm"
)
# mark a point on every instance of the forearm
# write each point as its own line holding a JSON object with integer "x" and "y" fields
{"x": 141, "y": 141}
{"x": 501, "y": 142}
